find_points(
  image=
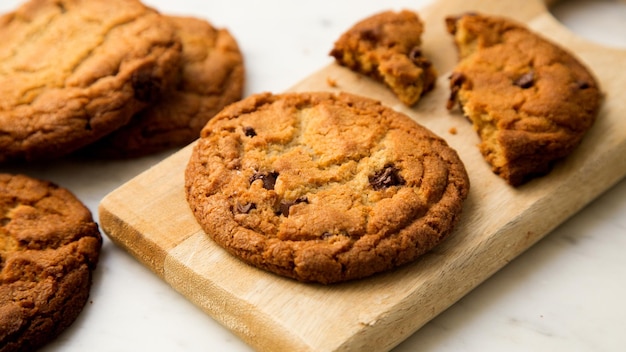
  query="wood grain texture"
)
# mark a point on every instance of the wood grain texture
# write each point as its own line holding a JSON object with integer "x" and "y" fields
{"x": 149, "y": 217}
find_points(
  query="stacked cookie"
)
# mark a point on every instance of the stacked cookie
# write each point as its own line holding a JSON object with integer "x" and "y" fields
{"x": 109, "y": 78}
{"x": 115, "y": 72}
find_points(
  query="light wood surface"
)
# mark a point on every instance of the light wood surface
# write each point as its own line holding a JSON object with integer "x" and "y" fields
{"x": 149, "y": 217}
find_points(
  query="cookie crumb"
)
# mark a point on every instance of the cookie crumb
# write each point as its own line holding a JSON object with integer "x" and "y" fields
{"x": 452, "y": 130}
{"x": 331, "y": 82}
{"x": 211, "y": 77}
{"x": 134, "y": 71}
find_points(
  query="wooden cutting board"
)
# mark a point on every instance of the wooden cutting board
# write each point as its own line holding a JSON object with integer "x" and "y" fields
{"x": 149, "y": 217}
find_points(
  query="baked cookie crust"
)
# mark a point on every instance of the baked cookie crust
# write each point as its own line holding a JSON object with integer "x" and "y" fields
{"x": 72, "y": 71}
{"x": 212, "y": 76}
{"x": 387, "y": 47}
{"x": 530, "y": 101}
{"x": 322, "y": 187}
{"x": 49, "y": 247}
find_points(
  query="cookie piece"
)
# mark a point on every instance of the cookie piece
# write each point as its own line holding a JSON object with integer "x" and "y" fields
{"x": 211, "y": 77}
{"x": 321, "y": 187}
{"x": 49, "y": 246}
{"x": 387, "y": 47}
{"x": 72, "y": 71}
{"x": 530, "y": 101}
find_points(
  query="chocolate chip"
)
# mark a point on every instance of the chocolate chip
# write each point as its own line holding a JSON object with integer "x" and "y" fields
{"x": 456, "y": 81}
{"x": 245, "y": 208}
{"x": 451, "y": 23}
{"x": 326, "y": 235}
{"x": 249, "y": 131}
{"x": 268, "y": 178}
{"x": 386, "y": 178}
{"x": 146, "y": 88}
{"x": 582, "y": 85}
{"x": 415, "y": 53}
{"x": 286, "y": 204}
{"x": 371, "y": 35}
{"x": 416, "y": 57}
{"x": 526, "y": 80}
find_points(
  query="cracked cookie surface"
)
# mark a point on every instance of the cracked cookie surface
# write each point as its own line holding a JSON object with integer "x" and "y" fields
{"x": 211, "y": 77}
{"x": 322, "y": 187}
{"x": 72, "y": 71}
{"x": 49, "y": 246}
{"x": 530, "y": 101}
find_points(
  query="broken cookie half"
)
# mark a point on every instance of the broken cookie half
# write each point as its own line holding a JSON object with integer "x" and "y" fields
{"x": 387, "y": 48}
{"x": 530, "y": 101}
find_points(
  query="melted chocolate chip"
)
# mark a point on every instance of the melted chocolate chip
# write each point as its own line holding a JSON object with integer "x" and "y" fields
{"x": 415, "y": 53}
{"x": 451, "y": 24}
{"x": 370, "y": 35}
{"x": 249, "y": 131}
{"x": 456, "y": 81}
{"x": 418, "y": 60}
{"x": 326, "y": 235}
{"x": 526, "y": 80}
{"x": 286, "y": 204}
{"x": 245, "y": 208}
{"x": 268, "y": 178}
{"x": 386, "y": 178}
{"x": 582, "y": 85}
{"x": 146, "y": 88}
{"x": 457, "y": 78}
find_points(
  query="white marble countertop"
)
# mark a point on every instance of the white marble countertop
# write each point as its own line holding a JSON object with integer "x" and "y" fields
{"x": 564, "y": 294}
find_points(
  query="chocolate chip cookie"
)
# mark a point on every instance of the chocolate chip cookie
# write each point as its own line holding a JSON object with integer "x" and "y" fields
{"x": 211, "y": 77}
{"x": 322, "y": 187}
{"x": 72, "y": 71}
{"x": 387, "y": 47}
{"x": 49, "y": 246}
{"x": 530, "y": 101}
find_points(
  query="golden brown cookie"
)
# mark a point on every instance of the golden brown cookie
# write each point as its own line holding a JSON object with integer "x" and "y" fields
{"x": 321, "y": 187}
{"x": 72, "y": 71}
{"x": 49, "y": 246}
{"x": 387, "y": 47}
{"x": 211, "y": 77}
{"x": 530, "y": 101}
